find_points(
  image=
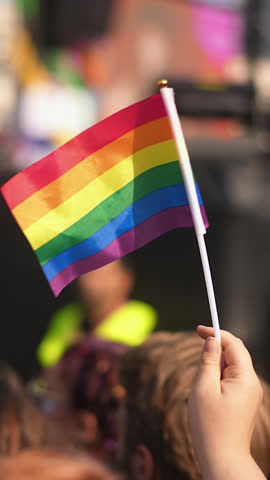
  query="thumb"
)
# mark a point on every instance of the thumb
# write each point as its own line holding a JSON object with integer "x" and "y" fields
{"x": 210, "y": 364}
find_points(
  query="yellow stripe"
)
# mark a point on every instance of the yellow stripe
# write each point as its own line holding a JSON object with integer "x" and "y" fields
{"x": 55, "y": 193}
{"x": 70, "y": 211}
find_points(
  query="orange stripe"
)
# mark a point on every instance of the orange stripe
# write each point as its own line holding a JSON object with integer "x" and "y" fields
{"x": 34, "y": 178}
{"x": 90, "y": 168}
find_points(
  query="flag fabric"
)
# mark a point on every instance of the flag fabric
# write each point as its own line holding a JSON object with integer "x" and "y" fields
{"x": 108, "y": 191}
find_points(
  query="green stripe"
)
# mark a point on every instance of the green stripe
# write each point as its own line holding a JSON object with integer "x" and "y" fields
{"x": 147, "y": 182}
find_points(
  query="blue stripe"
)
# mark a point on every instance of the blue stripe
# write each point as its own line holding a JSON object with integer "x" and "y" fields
{"x": 132, "y": 216}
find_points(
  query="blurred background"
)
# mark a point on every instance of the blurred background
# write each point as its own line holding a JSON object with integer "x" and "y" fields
{"x": 65, "y": 65}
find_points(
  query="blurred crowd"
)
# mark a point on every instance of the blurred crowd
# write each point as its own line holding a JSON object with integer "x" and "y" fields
{"x": 95, "y": 385}
{"x": 107, "y": 407}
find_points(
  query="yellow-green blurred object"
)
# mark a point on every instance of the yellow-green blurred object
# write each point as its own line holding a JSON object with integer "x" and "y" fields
{"x": 63, "y": 331}
{"x": 130, "y": 324}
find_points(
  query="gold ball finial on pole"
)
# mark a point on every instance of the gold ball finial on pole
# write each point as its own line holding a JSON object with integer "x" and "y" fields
{"x": 162, "y": 83}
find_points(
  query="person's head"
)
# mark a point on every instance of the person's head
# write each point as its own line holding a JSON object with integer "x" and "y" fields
{"x": 155, "y": 438}
{"x": 88, "y": 385}
{"x": 21, "y": 423}
{"x": 111, "y": 284}
{"x": 46, "y": 465}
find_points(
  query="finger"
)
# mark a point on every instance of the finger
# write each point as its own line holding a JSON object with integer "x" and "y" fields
{"x": 205, "y": 332}
{"x": 226, "y": 337}
{"x": 210, "y": 365}
{"x": 235, "y": 353}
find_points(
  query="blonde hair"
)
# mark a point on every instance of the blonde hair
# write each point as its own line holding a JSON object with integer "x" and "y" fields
{"x": 47, "y": 465}
{"x": 158, "y": 378}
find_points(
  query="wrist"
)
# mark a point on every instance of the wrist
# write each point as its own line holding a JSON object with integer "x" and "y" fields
{"x": 230, "y": 467}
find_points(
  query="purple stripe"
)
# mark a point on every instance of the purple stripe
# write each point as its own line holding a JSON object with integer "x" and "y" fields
{"x": 126, "y": 243}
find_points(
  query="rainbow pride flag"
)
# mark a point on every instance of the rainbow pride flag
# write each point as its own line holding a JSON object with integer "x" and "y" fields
{"x": 103, "y": 194}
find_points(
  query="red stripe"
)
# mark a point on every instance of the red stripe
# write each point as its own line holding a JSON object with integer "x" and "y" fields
{"x": 49, "y": 168}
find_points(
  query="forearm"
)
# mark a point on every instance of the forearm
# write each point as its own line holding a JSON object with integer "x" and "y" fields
{"x": 237, "y": 468}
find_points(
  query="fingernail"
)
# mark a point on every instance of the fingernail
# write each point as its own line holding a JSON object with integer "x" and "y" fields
{"x": 211, "y": 345}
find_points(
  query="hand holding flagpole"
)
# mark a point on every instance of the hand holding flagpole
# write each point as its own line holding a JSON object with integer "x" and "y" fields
{"x": 184, "y": 161}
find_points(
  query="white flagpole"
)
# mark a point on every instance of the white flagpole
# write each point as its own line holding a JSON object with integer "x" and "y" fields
{"x": 184, "y": 161}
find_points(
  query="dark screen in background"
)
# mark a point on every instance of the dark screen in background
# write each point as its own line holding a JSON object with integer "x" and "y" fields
{"x": 63, "y": 22}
